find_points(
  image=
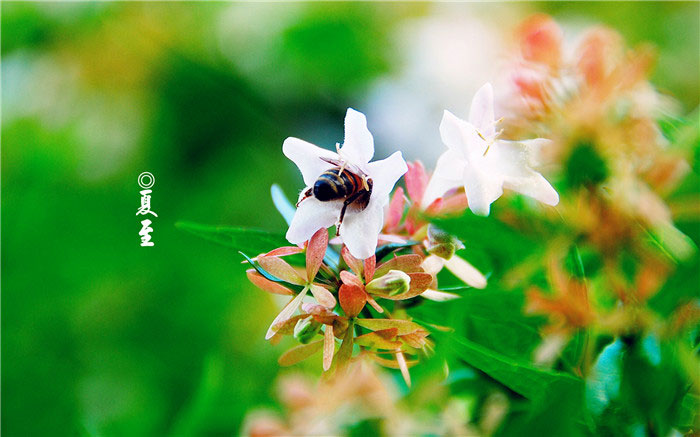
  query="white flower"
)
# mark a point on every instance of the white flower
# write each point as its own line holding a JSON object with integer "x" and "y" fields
{"x": 484, "y": 164}
{"x": 360, "y": 228}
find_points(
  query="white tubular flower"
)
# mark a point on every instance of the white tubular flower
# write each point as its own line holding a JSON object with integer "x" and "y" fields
{"x": 484, "y": 164}
{"x": 360, "y": 228}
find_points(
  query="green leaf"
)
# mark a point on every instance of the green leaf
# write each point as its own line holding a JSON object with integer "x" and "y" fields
{"x": 574, "y": 262}
{"x": 638, "y": 383}
{"x": 681, "y": 287}
{"x": 385, "y": 250}
{"x": 551, "y": 402}
{"x": 531, "y": 382}
{"x": 603, "y": 383}
{"x": 585, "y": 166}
{"x": 653, "y": 383}
{"x": 248, "y": 240}
{"x": 491, "y": 317}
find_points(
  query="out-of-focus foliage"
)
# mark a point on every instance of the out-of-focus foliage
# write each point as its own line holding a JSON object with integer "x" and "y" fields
{"x": 101, "y": 336}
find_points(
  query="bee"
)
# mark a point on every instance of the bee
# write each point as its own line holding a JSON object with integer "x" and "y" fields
{"x": 341, "y": 182}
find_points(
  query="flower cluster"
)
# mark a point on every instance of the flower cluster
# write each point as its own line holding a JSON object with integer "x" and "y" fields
{"x": 595, "y": 104}
{"x": 385, "y": 252}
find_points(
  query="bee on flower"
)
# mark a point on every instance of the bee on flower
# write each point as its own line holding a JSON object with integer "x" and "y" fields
{"x": 344, "y": 188}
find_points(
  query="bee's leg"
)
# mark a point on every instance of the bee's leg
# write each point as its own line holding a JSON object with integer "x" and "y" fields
{"x": 347, "y": 202}
{"x": 364, "y": 183}
{"x": 308, "y": 193}
{"x": 341, "y": 169}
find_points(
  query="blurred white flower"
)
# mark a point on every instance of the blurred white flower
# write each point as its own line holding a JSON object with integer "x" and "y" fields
{"x": 360, "y": 227}
{"x": 484, "y": 164}
{"x": 441, "y": 60}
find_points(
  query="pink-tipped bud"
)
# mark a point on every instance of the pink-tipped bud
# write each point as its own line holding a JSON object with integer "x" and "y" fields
{"x": 416, "y": 181}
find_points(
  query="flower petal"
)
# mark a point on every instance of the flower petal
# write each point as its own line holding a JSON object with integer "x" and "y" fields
{"x": 448, "y": 175}
{"x": 307, "y": 158}
{"x": 385, "y": 173}
{"x": 482, "y": 189}
{"x": 416, "y": 181}
{"x": 535, "y": 186}
{"x": 361, "y": 229}
{"x": 311, "y": 216}
{"x": 466, "y": 272}
{"x": 461, "y": 136}
{"x": 433, "y": 264}
{"x": 515, "y": 159}
{"x": 439, "y": 296}
{"x": 481, "y": 111}
{"x": 358, "y": 146}
{"x": 394, "y": 212}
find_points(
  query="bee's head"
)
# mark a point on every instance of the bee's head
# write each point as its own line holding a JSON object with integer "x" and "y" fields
{"x": 324, "y": 190}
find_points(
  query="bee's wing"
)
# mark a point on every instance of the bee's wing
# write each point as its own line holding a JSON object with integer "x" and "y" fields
{"x": 337, "y": 162}
{"x": 347, "y": 165}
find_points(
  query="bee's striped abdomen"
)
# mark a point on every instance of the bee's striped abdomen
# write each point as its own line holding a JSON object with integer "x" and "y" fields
{"x": 331, "y": 186}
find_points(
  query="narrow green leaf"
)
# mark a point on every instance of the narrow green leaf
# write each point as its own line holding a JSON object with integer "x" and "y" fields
{"x": 385, "y": 250}
{"x": 248, "y": 240}
{"x": 681, "y": 287}
{"x": 491, "y": 317}
{"x": 532, "y": 382}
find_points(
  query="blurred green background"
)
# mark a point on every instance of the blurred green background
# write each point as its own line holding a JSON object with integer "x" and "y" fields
{"x": 101, "y": 336}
